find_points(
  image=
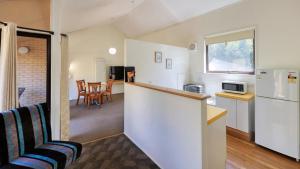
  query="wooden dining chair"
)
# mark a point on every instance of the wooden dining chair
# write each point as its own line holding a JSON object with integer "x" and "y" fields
{"x": 108, "y": 91}
{"x": 130, "y": 76}
{"x": 81, "y": 87}
{"x": 94, "y": 93}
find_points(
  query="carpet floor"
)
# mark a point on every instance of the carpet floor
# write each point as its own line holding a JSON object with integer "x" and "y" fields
{"x": 113, "y": 153}
{"x": 88, "y": 124}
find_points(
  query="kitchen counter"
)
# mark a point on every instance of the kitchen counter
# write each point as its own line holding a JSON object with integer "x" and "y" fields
{"x": 211, "y": 101}
{"x": 118, "y": 82}
{"x": 243, "y": 97}
{"x": 182, "y": 93}
{"x": 151, "y": 112}
{"x": 214, "y": 113}
{"x": 240, "y": 114}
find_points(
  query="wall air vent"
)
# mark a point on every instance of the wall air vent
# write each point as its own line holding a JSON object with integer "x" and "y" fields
{"x": 193, "y": 46}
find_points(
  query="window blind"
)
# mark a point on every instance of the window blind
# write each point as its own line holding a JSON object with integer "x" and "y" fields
{"x": 247, "y": 34}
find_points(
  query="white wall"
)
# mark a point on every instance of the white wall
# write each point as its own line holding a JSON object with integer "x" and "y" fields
{"x": 170, "y": 129}
{"x": 87, "y": 45}
{"x": 277, "y": 35}
{"x": 141, "y": 55}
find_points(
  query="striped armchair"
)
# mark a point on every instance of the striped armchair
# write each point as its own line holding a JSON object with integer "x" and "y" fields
{"x": 25, "y": 141}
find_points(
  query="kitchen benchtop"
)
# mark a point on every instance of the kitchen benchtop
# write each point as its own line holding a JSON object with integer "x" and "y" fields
{"x": 243, "y": 97}
{"x": 214, "y": 113}
{"x": 182, "y": 93}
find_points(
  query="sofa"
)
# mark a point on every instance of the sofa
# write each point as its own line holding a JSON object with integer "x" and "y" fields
{"x": 26, "y": 143}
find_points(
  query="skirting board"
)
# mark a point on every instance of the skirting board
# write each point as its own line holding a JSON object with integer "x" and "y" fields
{"x": 240, "y": 134}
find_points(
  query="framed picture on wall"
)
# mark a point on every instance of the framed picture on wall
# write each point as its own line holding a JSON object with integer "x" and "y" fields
{"x": 158, "y": 57}
{"x": 168, "y": 63}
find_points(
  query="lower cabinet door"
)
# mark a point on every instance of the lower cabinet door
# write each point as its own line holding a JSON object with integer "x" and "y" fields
{"x": 230, "y": 106}
{"x": 242, "y": 115}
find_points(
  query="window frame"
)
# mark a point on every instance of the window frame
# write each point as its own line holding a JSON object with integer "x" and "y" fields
{"x": 231, "y": 72}
{"x": 47, "y": 37}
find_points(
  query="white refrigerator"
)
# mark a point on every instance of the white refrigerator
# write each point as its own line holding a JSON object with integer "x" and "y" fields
{"x": 277, "y": 111}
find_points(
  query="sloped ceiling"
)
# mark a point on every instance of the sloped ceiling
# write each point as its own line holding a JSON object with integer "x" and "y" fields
{"x": 79, "y": 14}
{"x": 134, "y": 17}
{"x": 157, "y": 14}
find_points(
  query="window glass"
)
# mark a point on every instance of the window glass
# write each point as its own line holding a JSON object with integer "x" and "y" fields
{"x": 231, "y": 57}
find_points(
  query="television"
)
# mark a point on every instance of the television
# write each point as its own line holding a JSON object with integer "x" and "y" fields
{"x": 116, "y": 72}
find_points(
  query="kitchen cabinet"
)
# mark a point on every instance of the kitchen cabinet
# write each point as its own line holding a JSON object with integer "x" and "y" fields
{"x": 240, "y": 110}
{"x": 230, "y": 106}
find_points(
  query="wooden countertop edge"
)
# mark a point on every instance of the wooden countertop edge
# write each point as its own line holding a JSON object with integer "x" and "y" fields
{"x": 118, "y": 82}
{"x": 217, "y": 114}
{"x": 171, "y": 91}
{"x": 246, "y": 97}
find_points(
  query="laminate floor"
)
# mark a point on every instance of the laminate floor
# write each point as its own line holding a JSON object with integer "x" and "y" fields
{"x": 245, "y": 155}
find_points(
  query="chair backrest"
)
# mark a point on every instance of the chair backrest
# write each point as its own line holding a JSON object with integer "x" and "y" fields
{"x": 109, "y": 85}
{"x": 22, "y": 130}
{"x": 81, "y": 85}
{"x": 130, "y": 76}
{"x": 94, "y": 87}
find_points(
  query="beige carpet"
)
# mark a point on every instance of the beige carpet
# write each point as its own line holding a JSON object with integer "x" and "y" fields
{"x": 88, "y": 124}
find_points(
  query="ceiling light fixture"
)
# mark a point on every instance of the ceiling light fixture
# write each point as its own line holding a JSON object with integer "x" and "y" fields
{"x": 112, "y": 51}
{"x": 23, "y": 50}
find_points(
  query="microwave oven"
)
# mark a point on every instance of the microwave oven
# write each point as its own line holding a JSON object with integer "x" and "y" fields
{"x": 234, "y": 87}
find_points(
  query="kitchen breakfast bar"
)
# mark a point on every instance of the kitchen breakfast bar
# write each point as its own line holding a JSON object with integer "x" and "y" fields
{"x": 176, "y": 129}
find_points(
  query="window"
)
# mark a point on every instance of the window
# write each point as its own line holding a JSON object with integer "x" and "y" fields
{"x": 34, "y": 69}
{"x": 231, "y": 53}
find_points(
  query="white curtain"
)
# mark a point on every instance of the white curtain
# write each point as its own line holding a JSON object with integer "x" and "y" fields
{"x": 64, "y": 89}
{"x": 8, "y": 85}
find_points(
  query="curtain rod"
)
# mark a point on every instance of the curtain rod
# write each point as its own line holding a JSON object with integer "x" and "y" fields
{"x": 3, "y": 23}
{"x": 31, "y": 29}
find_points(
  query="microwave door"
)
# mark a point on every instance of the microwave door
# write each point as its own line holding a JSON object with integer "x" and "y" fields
{"x": 234, "y": 87}
{"x": 230, "y": 87}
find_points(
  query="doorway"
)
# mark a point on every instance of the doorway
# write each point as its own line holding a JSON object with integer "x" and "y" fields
{"x": 100, "y": 119}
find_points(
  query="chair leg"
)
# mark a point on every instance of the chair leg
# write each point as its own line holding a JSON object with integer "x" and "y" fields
{"x": 88, "y": 102}
{"x": 110, "y": 97}
{"x": 101, "y": 98}
{"x": 78, "y": 99}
